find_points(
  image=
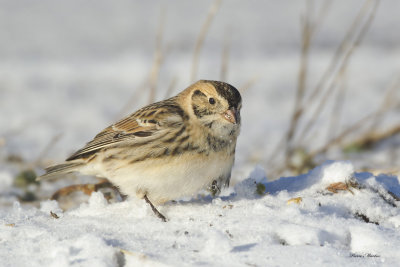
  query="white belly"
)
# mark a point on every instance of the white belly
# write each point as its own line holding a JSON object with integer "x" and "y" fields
{"x": 163, "y": 180}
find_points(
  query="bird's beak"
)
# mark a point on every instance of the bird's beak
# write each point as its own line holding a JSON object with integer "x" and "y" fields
{"x": 230, "y": 115}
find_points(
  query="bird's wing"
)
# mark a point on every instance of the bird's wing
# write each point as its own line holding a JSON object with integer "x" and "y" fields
{"x": 144, "y": 125}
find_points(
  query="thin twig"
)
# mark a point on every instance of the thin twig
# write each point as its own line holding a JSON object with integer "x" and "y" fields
{"x": 225, "y": 58}
{"x": 137, "y": 94}
{"x": 306, "y": 34}
{"x": 321, "y": 16}
{"x": 338, "y": 53}
{"x": 302, "y": 75}
{"x": 200, "y": 39}
{"x": 339, "y": 138}
{"x": 371, "y": 138}
{"x": 158, "y": 59}
{"x": 337, "y": 108}
{"x": 308, "y": 31}
{"x": 152, "y": 78}
{"x": 334, "y": 62}
{"x": 321, "y": 105}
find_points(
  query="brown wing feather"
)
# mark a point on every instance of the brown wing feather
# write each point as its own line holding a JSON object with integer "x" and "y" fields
{"x": 144, "y": 123}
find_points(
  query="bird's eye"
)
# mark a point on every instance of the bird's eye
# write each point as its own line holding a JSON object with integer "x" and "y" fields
{"x": 211, "y": 100}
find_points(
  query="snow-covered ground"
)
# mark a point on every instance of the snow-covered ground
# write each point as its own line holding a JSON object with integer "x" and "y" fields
{"x": 296, "y": 222}
{"x": 69, "y": 68}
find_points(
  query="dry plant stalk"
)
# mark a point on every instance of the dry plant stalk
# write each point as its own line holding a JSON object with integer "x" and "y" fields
{"x": 330, "y": 70}
{"x": 321, "y": 105}
{"x": 337, "y": 107}
{"x": 154, "y": 73}
{"x": 343, "y": 66}
{"x": 225, "y": 58}
{"x": 340, "y": 186}
{"x": 371, "y": 136}
{"x": 306, "y": 35}
{"x": 334, "y": 73}
{"x": 308, "y": 30}
{"x": 340, "y": 53}
{"x": 87, "y": 189}
{"x": 343, "y": 186}
{"x": 158, "y": 59}
{"x": 200, "y": 39}
{"x": 132, "y": 100}
{"x": 339, "y": 138}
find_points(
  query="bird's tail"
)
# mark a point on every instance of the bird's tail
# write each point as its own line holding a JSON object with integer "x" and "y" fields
{"x": 56, "y": 170}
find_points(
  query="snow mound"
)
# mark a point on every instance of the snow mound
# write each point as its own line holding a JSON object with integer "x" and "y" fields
{"x": 329, "y": 173}
{"x": 317, "y": 179}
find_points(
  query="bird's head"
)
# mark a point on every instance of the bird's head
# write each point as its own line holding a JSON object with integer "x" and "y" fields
{"x": 216, "y": 105}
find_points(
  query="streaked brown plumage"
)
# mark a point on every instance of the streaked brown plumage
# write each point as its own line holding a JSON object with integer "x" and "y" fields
{"x": 167, "y": 149}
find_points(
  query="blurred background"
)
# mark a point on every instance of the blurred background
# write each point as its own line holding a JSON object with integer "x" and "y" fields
{"x": 319, "y": 79}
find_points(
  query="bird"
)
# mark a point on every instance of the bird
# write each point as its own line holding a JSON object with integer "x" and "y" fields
{"x": 166, "y": 150}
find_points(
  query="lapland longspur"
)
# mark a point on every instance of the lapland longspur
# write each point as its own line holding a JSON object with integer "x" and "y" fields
{"x": 169, "y": 149}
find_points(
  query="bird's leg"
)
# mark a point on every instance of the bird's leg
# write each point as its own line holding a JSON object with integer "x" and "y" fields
{"x": 214, "y": 188}
{"x": 159, "y": 215}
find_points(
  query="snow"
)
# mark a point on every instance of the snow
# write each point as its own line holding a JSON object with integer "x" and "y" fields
{"x": 6, "y": 181}
{"x": 239, "y": 228}
{"x": 69, "y": 69}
